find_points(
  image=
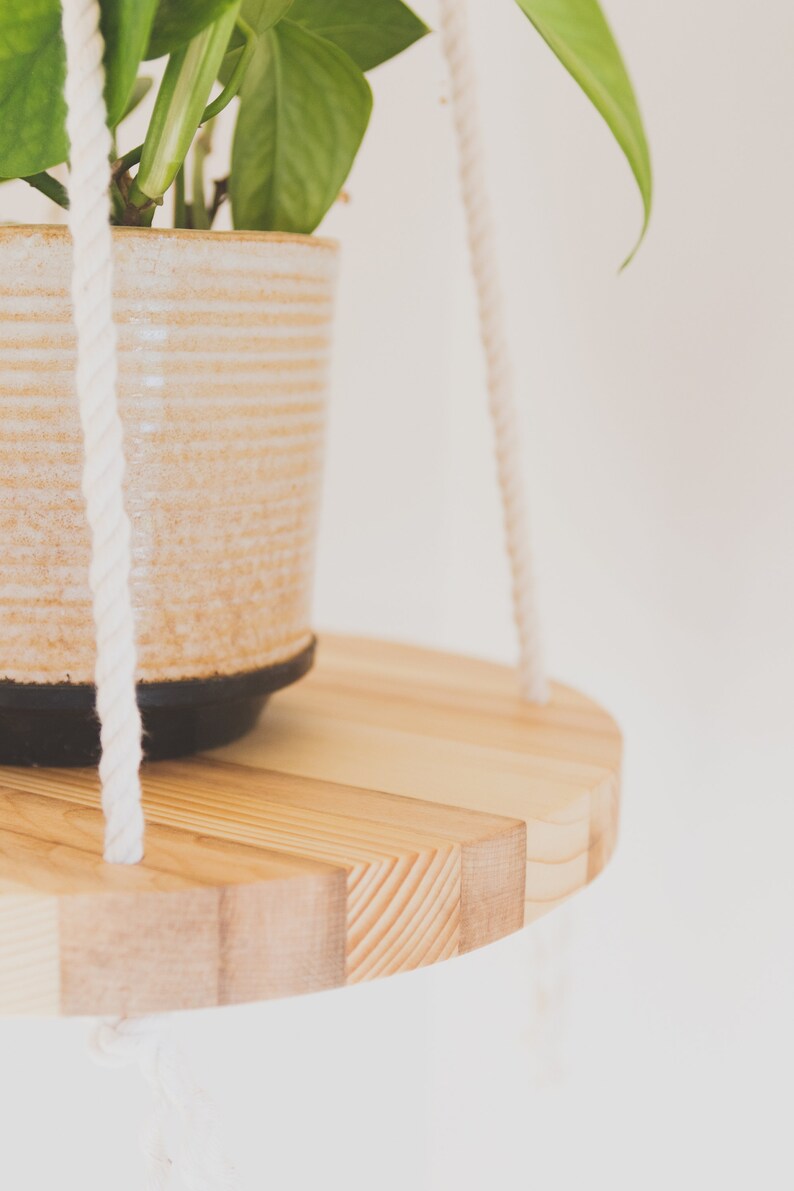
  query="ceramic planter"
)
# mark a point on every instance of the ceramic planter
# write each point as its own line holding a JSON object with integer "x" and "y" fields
{"x": 223, "y": 350}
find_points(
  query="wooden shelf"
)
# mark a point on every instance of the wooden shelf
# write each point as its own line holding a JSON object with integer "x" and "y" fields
{"x": 395, "y": 808}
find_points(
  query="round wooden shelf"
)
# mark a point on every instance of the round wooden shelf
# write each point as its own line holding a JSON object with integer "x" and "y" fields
{"x": 395, "y": 808}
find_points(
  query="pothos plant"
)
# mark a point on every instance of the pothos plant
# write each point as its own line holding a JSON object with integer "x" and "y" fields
{"x": 299, "y": 68}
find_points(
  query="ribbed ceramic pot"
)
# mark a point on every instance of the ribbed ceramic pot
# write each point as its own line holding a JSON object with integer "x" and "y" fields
{"x": 223, "y": 358}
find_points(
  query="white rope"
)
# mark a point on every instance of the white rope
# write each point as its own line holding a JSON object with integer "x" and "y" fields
{"x": 103, "y": 467}
{"x": 201, "y": 1164}
{"x": 501, "y": 399}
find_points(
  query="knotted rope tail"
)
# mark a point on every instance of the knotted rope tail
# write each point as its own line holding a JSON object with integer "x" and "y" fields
{"x": 103, "y": 467}
{"x": 202, "y": 1165}
{"x": 501, "y": 399}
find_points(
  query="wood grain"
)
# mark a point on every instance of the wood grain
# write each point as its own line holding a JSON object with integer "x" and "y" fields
{"x": 396, "y": 808}
{"x": 432, "y": 725}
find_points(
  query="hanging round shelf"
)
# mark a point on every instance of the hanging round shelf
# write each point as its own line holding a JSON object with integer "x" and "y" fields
{"x": 395, "y": 808}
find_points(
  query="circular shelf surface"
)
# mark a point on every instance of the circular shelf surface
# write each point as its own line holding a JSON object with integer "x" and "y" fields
{"x": 395, "y": 808}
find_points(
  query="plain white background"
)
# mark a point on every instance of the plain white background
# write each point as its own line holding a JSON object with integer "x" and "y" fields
{"x": 642, "y": 1036}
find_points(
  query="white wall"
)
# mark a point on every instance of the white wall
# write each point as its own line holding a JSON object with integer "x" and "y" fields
{"x": 659, "y": 440}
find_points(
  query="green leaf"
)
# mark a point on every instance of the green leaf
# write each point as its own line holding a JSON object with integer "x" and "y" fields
{"x": 32, "y": 107}
{"x": 178, "y": 21}
{"x": 261, "y": 15}
{"x": 140, "y": 89}
{"x": 369, "y": 31}
{"x": 303, "y": 112}
{"x": 32, "y": 72}
{"x": 126, "y": 25}
{"x": 579, "y": 35}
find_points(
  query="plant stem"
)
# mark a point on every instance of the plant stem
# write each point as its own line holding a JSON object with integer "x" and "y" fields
{"x": 50, "y": 186}
{"x": 139, "y": 208}
{"x": 180, "y": 211}
{"x": 218, "y": 198}
{"x": 188, "y": 79}
{"x": 126, "y": 162}
{"x": 180, "y": 104}
{"x": 117, "y": 203}
{"x": 201, "y": 150}
{"x": 236, "y": 77}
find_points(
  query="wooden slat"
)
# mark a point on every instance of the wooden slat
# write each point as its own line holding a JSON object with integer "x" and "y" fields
{"x": 391, "y": 810}
{"x": 433, "y": 725}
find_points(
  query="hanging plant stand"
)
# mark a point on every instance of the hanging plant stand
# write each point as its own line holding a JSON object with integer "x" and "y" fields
{"x": 396, "y": 808}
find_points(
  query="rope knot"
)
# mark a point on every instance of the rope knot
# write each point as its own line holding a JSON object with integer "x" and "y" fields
{"x": 129, "y": 1040}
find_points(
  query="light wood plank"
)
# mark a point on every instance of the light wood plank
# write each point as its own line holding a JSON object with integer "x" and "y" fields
{"x": 29, "y": 952}
{"x": 426, "y": 724}
{"x": 390, "y": 811}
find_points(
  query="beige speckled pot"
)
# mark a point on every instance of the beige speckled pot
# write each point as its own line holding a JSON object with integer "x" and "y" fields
{"x": 223, "y": 353}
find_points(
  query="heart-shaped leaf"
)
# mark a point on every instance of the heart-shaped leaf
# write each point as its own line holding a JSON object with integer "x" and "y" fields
{"x": 32, "y": 70}
{"x": 577, "y": 32}
{"x": 369, "y": 31}
{"x": 304, "y": 109}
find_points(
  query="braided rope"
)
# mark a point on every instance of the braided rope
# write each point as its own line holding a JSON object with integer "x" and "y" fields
{"x": 501, "y": 399}
{"x": 202, "y": 1164}
{"x": 103, "y": 466}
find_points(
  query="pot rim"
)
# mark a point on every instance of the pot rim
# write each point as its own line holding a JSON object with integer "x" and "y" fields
{"x": 60, "y": 231}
